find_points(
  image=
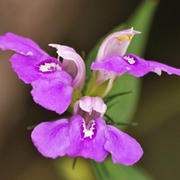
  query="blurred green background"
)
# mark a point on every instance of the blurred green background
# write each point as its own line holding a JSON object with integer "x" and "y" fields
{"x": 80, "y": 24}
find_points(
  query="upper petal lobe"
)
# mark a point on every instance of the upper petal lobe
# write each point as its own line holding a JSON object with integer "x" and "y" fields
{"x": 72, "y": 64}
{"x": 21, "y": 45}
{"x": 115, "y": 44}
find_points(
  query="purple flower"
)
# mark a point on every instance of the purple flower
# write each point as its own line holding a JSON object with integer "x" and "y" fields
{"x": 53, "y": 82}
{"x": 112, "y": 61}
{"x": 115, "y": 44}
{"x": 132, "y": 64}
{"x": 86, "y": 134}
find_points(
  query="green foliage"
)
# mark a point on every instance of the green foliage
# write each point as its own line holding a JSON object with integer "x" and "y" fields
{"x": 93, "y": 90}
{"x": 124, "y": 109}
{"x": 110, "y": 171}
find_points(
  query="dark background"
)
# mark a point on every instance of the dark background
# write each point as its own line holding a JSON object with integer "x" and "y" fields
{"x": 80, "y": 24}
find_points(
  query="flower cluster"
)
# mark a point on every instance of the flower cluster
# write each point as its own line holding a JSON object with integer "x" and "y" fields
{"x": 56, "y": 83}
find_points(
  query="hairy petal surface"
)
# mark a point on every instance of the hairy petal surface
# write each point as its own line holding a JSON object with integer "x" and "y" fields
{"x": 72, "y": 64}
{"x": 51, "y": 138}
{"x": 53, "y": 92}
{"x": 124, "y": 149}
{"x": 84, "y": 145}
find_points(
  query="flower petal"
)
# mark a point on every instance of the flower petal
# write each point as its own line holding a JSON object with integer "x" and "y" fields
{"x": 94, "y": 106}
{"x": 73, "y": 64}
{"x": 131, "y": 64}
{"x": 109, "y": 62}
{"x": 99, "y": 106}
{"x": 53, "y": 92}
{"x": 32, "y": 62}
{"x": 84, "y": 104}
{"x": 29, "y": 68}
{"x": 112, "y": 63}
{"x": 159, "y": 67}
{"x": 87, "y": 146}
{"x": 110, "y": 68}
{"x": 124, "y": 149}
{"x": 115, "y": 44}
{"x": 21, "y": 45}
{"x": 140, "y": 67}
{"x": 51, "y": 138}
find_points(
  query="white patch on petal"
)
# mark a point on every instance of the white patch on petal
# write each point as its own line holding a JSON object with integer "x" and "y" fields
{"x": 49, "y": 67}
{"x": 88, "y": 131}
{"x": 27, "y": 54}
{"x": 30, "y": 53}
{"x": 158, "y": 70}
{"x": 163, "y": 69}
{"x": 130, "y": 60}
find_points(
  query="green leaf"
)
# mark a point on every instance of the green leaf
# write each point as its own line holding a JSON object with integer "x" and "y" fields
{"x": 100, "y": 170}
{"x": 141, "y": 20}
{"x": 93, "y": 90}
{"x": 107, "y": 170}
{"x": 125, "y": 108}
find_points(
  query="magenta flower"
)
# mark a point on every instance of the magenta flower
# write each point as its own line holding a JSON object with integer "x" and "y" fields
{"x": 112, "y": 61}
{"x": 132, "y": 64}
{"x": 115, "y": 44}
{"x": 86, "y": 134}
{"x": 53, "y": 82}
